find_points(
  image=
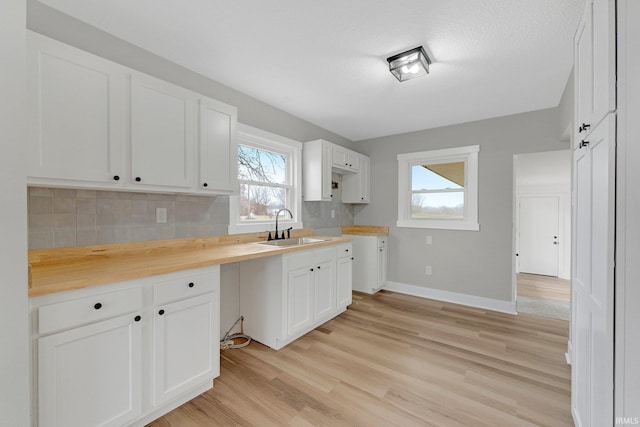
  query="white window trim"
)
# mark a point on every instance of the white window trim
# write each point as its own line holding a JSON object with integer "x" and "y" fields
{"x": 469, "y": 155}
{"x": 248, "y": 135}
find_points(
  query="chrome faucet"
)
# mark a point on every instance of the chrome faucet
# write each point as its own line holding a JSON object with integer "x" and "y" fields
{"x": 288, "y": 230}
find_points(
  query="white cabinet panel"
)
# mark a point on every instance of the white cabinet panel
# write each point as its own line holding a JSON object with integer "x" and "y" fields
{"x": 325, "y": 288}
{"x": 300, "y": 295}
{"x": 90, "y": 376}
{"x": 355, "y": 187}
{"x": 218, "y": 147}
{"x": 316, "y": 171}
{"x": 185, "y": 345}
{"x": 369, "y": 262}
{"x": 162, "y": 133}
{"x": 344, "y": 274}
{"x": 75, "y": 116}
{"x": 594, "y": 75}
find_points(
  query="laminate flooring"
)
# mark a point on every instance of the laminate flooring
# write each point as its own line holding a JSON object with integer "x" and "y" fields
{"x": 396, "y": 360}
{"x": 544, "y": 287}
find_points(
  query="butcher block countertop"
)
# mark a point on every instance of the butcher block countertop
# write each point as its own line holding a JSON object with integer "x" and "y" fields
{"x": 366, "y": 230}
{"x": 63, "y": 269}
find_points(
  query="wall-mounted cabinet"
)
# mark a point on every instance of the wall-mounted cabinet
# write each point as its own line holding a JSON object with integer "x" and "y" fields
{"x": 320, "y": 158}
{"x": 595, "y": 67}
{"x": 96, "y": 124}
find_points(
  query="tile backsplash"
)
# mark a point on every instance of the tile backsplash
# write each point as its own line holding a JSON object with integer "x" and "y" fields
{"x": 75, "y": 217}
{"x": 67, "y": 217}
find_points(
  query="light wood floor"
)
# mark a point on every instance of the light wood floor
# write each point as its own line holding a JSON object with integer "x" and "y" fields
{"x": 396, "y": 360}
{"x": 544, "y": 287}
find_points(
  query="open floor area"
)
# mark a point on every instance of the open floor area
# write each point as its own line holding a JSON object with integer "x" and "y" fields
{"x": 396, "y": 360}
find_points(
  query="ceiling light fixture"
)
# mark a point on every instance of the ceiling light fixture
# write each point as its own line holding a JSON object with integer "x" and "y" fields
{"x": 410, "y": 64}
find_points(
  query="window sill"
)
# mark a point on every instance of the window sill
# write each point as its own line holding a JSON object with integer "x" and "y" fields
{"x": 442, "y": 225}
{"x": 263, "y": 226}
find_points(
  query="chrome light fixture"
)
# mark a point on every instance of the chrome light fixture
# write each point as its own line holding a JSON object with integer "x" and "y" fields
{"x": 410, "y": 64}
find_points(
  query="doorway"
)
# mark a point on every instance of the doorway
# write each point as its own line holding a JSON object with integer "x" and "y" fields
{"x": 542, "y": 233}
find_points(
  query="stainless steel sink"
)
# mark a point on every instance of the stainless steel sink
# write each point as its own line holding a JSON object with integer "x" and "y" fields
{"x": 294, "y": 241}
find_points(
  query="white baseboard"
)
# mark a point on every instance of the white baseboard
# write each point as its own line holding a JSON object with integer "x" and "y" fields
{"x": 453, "y": 297}
{"x": 568, "y": 355}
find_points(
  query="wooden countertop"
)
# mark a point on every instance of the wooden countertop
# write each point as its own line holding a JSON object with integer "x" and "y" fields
{"x": 56, "y": 270}
{"x": 366, "y": 230}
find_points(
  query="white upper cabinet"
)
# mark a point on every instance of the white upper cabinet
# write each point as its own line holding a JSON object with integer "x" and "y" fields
{"x": 97, "y": 124}
{"x": 356, "y": 187}
{"x": 75, "y": 120}
{"x": 218, "y": 147}
{"x": 345, "y": 159}
{"x": 162, "y": 133}
{"x": 320, "y": 158}
{"x": 594, "y": 76}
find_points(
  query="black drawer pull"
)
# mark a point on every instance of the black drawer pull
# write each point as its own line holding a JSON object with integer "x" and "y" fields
{"x": 137, "y": 318}
{"x": 97, "y": 306}
{"x": 161, "y": 312}
{"x": 191, "y": 284}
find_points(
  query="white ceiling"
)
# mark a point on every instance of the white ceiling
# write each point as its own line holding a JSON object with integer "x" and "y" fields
{"x": 325, "y": 61}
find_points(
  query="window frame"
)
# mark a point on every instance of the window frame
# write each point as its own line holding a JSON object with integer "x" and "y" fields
{"x": 263, "y": 140}
{"x": 468, "y": 155}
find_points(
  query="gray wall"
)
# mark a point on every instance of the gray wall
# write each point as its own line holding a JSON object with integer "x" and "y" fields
{"x": 477, "y": 263}
{"x": 14, "y": 317}
{"x": 54, "y": 24}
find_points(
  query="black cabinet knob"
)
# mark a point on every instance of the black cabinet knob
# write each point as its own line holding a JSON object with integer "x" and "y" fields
{"x": 351, "y": 258}
{"x": 161, "y": 312}
{"x": 205, "y": 185}
{"x": 346, "y": 250}
{"x": 138, "y": 179}
{"x": 97, "y": 306}
{"x": 311, "y": 269}
{"x": 137, "y": 318}
{"x": 191, "y": 285}
{"x": 318, "y": 267}
{"x": 116, "y": 178}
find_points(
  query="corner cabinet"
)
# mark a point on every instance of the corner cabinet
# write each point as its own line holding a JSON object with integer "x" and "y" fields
{"x": 370, "y": 262}
{"x": 283, "y": 297}
{"x": 322, "y": 158}
{"x": 96, "y": 124}
{"x": 125, "y": 353}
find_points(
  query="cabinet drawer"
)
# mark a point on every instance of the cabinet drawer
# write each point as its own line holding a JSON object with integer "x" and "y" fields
{"x": 186, "y": 286}
{"x": 344, "y": 250}
{"x": 382, "y": 241}
{"x": 64, "y": 315}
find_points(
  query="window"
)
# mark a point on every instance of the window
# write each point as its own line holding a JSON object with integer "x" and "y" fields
{"x": 269, "y": 180}
{"x": 439, "y": 189}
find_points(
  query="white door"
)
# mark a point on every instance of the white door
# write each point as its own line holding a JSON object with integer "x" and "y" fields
{"x": 538, "y": 240}
{"x": 344, "y": 274}
{"x": 162, "y": 133}
{"x": 592, "y": 290}
{"x": 299, "y": 299}
{"x": 185, "y": 345}
{"x": 91, "y": 376}
{"x": 325, "y": 289}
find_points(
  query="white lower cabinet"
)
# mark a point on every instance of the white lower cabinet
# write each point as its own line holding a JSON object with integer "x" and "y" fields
{"x": 344, "y": 274}
{"x": 370, "y": 262}
{"x": 283, "y": 297}
{"x": 125, "y": 353}
{"x": 91, "y": 375}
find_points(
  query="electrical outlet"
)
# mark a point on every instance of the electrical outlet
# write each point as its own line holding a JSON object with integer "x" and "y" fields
{"x": 429, "y": 240}
{"x": 427, "y": 270}
{"x": 161, "y": 215}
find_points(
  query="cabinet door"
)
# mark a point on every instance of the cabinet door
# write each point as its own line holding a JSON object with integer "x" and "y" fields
{"x": 355, "y": 187}
{"x": 339, "y": 156}
{"x": 218, "y": 147}
{"x": 324, "y": 289}
{"x": 344, "y": 281}
{"x": 75, "y": 115}
{"x": 382, "y": 266}
{"x": 353, "y": 159}
{"x": 592, "y": 278}
{"x": 162, "y": 133}
{"x": 299, "y": 299}
{"x": 185, "y": 345}
{"x": 594, "y": 76}
{"x": 91, "y": 376}
{"x": 326, "y": 172}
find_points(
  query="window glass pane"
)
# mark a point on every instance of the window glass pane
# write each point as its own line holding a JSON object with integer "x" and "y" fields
{"x": 259, "y": 203}
{"x": 261, "y": 165}
{"x": 437, "y": 176}
{"x": 437, "y": 205}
